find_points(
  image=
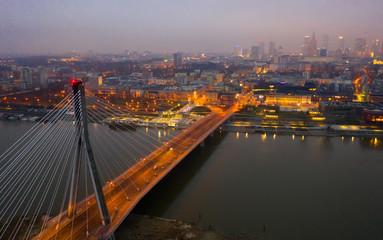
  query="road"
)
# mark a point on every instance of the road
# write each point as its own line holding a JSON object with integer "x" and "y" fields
{"x": 124, "y": 192}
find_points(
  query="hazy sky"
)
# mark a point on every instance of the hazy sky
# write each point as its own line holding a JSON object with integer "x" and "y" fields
{"x": 53, "y": 26}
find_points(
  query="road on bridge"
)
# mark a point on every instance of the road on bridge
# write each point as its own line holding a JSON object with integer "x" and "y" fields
{"x": 124, "y": 192}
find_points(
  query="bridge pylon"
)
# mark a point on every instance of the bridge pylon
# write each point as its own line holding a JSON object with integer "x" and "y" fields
{"x": 84, "y": 147}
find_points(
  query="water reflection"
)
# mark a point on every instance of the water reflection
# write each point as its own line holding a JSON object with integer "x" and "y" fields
{"x": 371, "y": 142}
{"x": 263, "y": 137}
{"x": 325, "y": 142}
{"x": 219, "y": 183}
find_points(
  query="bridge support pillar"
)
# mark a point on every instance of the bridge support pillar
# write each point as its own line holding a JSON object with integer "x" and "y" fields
{"x": 202, "y": 144}
{"x": 75, "y": 179}
{"x": 84, "y": 145}
{"x": 77, "y": 157}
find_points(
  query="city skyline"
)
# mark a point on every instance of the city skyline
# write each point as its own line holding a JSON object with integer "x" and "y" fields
{"x": 38, "y": 27}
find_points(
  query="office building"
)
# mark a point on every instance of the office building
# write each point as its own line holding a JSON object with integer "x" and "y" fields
{"x": 178, "y": 60}
{"x": 313, "y": 46}
{"x": 254, "y": 52}
{"x": 326, "y": 40}
{"x": 261, "y": 48}
{"x": 360, "y": 47}
{"x": 237, "y": 51}
{"x": 376, "y": 48}
{"x": 340, "y": 44}
{"x": 323, "y": 52}
{"x": 26, "y": 75}
{"x": 272, "y": 49}
{"x": 305, "y": 46}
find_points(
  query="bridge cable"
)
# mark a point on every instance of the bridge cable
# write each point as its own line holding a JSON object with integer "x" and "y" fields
{"x": 115, "y": 112}
{"x": 57, "y": 185}
{"x": 39, "y": 171}
{"x": 34, "y": 181}
{"x": 25, "y": 168}
{"x": 30, "y": 131}
{"x": 138, "y": 135}
{"x": 23, "y": 139}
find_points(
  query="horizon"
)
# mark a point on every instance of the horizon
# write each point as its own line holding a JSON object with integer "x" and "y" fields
{"x": 51, "y": 28}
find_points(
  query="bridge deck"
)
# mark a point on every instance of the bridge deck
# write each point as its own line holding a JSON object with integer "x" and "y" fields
{"x": 124, "y": 192}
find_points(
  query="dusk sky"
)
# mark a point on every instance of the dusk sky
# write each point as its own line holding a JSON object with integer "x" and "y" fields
{"x": 52, "y": 26}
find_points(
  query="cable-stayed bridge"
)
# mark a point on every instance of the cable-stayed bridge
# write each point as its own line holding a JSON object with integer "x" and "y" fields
{"x": 75, "y": 175}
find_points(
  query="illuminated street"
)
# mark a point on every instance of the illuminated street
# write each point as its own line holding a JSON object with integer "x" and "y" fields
{"x": 123, "y": 193}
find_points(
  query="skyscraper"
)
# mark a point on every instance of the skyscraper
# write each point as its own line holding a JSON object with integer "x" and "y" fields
{"x": 36, "y": 80}
{"x": 309, "y": 47}
{"x": 326, "y": 40}
{"x": 237, "y": 51}
{"x": 323, "y": 52}
{"x": 26, "y": 75}
{"x": 341, "y": 44}
{"x": 360, "y": 47}
{"x": 272, "y": 50}
{"x": 261, "y": 48}
{"x": 43, "y": 77}
{"x": 246, "y": 53}
{"x": 375, "y": 48}
{"x": 178, "y": 60}
{"x": 254, "y": 52}
{"x": 381, "y": 49}
{"x": 313, "y": 46}
{"x": 306, "y": 46}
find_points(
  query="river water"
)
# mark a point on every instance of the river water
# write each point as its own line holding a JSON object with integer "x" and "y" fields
{"x": 271, "y": 187}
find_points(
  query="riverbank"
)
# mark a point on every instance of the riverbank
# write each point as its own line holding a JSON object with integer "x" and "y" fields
{"x": 137, "y": 227}
{"x": 324, "y": 130}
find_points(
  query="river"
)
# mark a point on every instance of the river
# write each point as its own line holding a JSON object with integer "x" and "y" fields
{"x": 274, "y": 187}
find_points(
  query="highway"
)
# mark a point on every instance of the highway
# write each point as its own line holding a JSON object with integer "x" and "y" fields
{"x": 125, "y": 191}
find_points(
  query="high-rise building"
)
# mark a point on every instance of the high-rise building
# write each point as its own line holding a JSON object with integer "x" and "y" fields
{"x": 375, "y": 48}
{"x": 381, "y": 49}
{"x": 272, "y": 50}
{"x": 178, "y": 60}
{"x": 94, "y": 82}
{"x": 309, "y": 47}
{"x": 306, "y": 47}
{"x": 246, "y": 53}
{"x": 26, "y": 75}
{"x": 313, "y": 46}
{"x": 347, "y": 51}
{"x": 36, "y": 80}
{"x": 43, "y": 77}
{"x": 323, "y": 52}
{"x": 360, "y": 47}
{"x": 340, "y": 44}
{"x": 261, "y": 48}
{"x": 254, "y": 52}
{"x": 326, "y": 40}
{"x": 237, "y": 51}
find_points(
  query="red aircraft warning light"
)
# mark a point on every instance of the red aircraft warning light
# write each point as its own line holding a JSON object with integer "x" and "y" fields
{"x": 73, "y": 81}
